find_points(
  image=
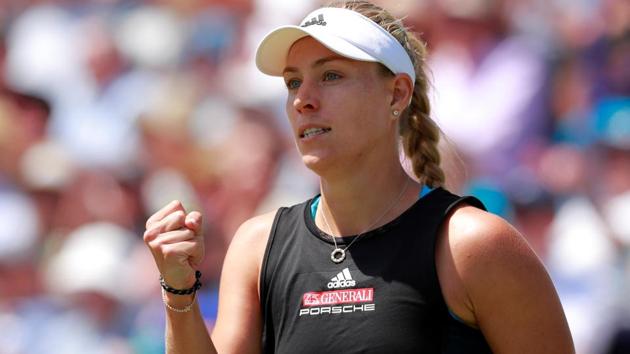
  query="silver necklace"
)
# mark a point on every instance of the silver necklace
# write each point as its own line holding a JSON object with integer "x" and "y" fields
{"x": 338, "y": 255}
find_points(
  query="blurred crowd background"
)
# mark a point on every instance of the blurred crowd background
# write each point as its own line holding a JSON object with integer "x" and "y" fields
{"x": 110, "y": 109}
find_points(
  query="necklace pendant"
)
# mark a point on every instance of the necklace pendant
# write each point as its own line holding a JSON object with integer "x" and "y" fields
{"x": 338, "y": 255}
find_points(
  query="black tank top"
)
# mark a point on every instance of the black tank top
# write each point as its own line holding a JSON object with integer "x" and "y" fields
{"x": 383, "y": 298}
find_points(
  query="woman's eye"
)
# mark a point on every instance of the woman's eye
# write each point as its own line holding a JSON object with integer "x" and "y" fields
{"x": 292, "y": 84}
{"x": 331, "y": 76}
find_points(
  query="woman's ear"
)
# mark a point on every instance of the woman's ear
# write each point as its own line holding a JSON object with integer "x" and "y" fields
{"x": 402, "y": 92}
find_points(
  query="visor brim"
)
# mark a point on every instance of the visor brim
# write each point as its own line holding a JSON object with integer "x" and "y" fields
{"x": 273, "y": 50}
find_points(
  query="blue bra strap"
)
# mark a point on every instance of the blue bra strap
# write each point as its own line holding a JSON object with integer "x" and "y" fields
{"x": 424, "y": 191}
{"x": 314, "y": 205}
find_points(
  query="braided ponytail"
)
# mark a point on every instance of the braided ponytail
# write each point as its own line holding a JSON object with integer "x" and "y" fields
{"x": 420, "y": 135}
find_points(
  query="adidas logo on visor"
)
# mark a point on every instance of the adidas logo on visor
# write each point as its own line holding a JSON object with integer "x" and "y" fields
{"x": 342, "y": 280}
{"x": 315, "y": 21}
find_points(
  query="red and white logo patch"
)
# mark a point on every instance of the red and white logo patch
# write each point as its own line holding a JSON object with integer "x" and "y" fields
{"x": 336, "y": 297}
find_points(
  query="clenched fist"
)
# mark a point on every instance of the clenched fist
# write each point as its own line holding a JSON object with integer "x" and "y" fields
{"x": 175, "y": 240}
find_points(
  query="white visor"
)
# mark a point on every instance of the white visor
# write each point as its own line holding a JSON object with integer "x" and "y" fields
{"x": 344, "y": 32}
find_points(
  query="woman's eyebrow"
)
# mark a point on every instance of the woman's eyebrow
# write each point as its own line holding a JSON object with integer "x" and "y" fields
{"x": 324, "y": 60}
{"x": 318, "y": 62}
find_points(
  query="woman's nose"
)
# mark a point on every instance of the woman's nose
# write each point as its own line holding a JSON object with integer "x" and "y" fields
{"x": 306, "y": 98}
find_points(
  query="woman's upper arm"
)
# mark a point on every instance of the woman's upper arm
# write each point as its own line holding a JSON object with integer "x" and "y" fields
{"x": 501, "y": 285}
{"x": 238, "y": 327}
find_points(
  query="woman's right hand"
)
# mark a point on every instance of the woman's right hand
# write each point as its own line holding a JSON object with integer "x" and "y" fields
{"x": 175, "y": 240}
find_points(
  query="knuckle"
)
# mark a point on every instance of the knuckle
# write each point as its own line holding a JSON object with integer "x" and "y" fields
{"x": 157, "y": 243}
{"x": 149, "y": 235}
{"x": 169, "y": 252}
{"x": 174, "y": 217}
{"x": 180, "y": 216}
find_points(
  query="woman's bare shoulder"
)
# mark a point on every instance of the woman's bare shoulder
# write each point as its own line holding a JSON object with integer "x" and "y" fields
{"x": 473, "y": 231}
{"x": 495, "y": 280}
{"x": 250, "y": 240}
{"x": 255, "y": 230}
{"x": 486, "y": 252}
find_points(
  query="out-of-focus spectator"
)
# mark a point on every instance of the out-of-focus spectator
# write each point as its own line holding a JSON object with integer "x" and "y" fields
{"x": 488, "y": 86}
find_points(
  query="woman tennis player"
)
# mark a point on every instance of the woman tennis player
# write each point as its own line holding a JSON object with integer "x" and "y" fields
{"x": 379, "y": 262}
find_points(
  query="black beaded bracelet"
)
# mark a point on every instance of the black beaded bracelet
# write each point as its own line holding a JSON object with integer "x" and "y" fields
{"x": 188, "y": 291}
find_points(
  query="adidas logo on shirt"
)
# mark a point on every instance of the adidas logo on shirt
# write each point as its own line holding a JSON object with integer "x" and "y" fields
{"x": 341, "y": 280}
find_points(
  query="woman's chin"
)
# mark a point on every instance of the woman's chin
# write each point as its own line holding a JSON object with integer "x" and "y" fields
{"x": 315, "y": 163}
{"x": 311, "y": 161}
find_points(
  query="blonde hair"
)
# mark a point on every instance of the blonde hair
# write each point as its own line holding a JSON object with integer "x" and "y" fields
{"x": 420, "y": 135}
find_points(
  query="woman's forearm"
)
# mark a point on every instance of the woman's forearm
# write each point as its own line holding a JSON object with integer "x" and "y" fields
{"x": 186, "y": 332}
